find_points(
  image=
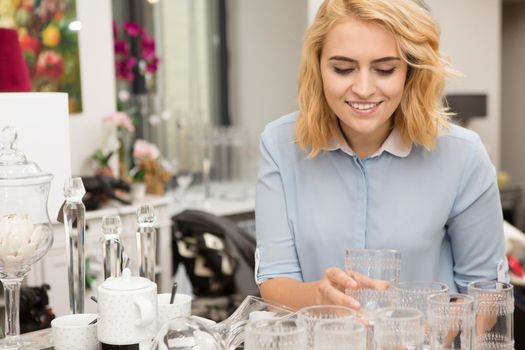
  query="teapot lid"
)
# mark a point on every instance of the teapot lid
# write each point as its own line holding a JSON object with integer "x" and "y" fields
{"x": 13, "y": 163}
{"x": 126, "y": 282}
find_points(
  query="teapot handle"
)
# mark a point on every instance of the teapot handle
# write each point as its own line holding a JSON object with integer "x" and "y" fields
{"x": 146, "y": 312}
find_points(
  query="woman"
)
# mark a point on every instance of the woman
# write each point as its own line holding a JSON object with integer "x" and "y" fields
{"x": 370, "y": 161}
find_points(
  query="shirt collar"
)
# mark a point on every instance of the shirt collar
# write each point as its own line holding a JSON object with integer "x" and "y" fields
{"x": 393, "y": 145}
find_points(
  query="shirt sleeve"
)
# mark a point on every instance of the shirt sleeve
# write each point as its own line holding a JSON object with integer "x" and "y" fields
{"x": 475, "y": 226}
{"x": 276, "y": 254}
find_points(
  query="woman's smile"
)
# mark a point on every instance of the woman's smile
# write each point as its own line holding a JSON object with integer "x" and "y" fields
{"x": 364, "y": 108}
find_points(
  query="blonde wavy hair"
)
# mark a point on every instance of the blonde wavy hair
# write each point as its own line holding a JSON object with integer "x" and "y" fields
{"x": 421, "y": 113}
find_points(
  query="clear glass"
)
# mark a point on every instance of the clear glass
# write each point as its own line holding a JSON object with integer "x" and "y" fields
{"x": 451, "y": 321}
{"x": 25, "y": 229}
{"x": 414, "y": 294}
{"x": 186, "y": 163}
{"x": 229, "y": 154}
{"x": 341, "y": 334}
{"x": 112, "y": 249}
{"x": 75, "y": 225}
{"x": 312, "y": 315}
{"x": 187, "y": 333}
{"x": 398, "y": 328}
{"x": 251, "y": 309}
{"x": 273, "y": 334}
{"x": 146, "y": 241}
{"x": 378, "y": 264}
{"x": 494, "y": 314}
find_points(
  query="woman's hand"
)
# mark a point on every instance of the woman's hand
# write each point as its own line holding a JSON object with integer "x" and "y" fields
{"x": 335, "y": 281}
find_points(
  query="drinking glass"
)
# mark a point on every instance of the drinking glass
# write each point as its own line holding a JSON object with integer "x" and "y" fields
{"x": 398, "y": 328}
{"x": 184, "y": 179}
{"x": 273, "y": 334}
{"x": 494, "y": 314}
{"x": 313, "y": 315}
{"x": 379, "y": 264}
{"x": 415, "y": 294}
{"x": 451, "y": 321}
{"x": 187, "y": 155}
{"x": 341, "y": 334}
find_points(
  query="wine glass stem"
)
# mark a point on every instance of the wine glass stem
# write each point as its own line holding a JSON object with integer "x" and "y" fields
{"x": 12, "y": 310}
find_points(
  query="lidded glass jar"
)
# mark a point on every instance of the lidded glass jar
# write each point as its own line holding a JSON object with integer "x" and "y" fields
{"x": 25, "y": 229}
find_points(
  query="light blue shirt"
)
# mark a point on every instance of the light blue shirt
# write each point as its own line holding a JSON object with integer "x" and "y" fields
{"x": 440, "y": 208}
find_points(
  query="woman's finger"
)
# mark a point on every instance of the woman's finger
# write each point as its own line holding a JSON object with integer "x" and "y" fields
{"x": 368, "y": 282}
{"x": 334, "y": 296}
{"x": 340, "y": 278}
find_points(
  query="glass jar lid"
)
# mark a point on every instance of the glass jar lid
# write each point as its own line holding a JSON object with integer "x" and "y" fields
{"x": 13, "y": 163}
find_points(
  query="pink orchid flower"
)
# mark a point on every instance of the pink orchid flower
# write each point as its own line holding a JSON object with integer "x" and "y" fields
{"x": 142, "y": 149}
{"x": 120, "y": 119}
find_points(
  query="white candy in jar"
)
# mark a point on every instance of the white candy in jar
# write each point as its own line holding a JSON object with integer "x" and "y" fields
{"x": 19, "y": 238}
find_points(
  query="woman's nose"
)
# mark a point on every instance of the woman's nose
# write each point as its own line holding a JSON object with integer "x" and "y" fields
{"x": 363, "y": 86}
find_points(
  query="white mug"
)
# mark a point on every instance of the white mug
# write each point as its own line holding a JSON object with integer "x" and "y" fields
{"x": 74, "y": 332}
{"x": 181, "y": 307}
{"x": 127, "y": 310}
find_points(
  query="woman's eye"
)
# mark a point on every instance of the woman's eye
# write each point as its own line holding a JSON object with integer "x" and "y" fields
{"x": 385, "y": 71}
{"x": 343, "y": 71}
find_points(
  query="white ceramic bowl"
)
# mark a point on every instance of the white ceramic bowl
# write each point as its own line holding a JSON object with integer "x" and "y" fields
{"x": 73, "y": 332}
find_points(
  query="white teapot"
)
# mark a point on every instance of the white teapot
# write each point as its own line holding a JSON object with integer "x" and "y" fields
{"x": 127, "y": 310}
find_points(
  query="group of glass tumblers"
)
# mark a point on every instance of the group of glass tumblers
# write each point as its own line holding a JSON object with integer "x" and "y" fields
{"x": 408, "y": 315}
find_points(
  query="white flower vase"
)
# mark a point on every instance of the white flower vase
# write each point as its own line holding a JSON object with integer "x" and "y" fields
{"x": 138, "y": 190}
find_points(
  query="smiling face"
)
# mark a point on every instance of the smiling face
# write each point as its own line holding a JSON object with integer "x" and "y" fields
{"x": 363, "y": 79}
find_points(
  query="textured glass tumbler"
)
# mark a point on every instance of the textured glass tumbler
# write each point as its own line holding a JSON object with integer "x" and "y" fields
{"x": 341, "y": 334}
{"x": 414, "y": 294}
{"x": 494, "y": 314}
{"x": 451, "y": 319}
{"x": 398, "y": 328}
{"x": 275, "y": 334}
{"x": 379, "y": 264}
{"x": 312, "y": 315}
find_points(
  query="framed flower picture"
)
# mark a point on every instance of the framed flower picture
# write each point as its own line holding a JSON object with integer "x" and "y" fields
{"x": 48, "y": 34}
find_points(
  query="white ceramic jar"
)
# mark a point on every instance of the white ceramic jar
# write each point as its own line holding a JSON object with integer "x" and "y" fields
{"x": 127, "y": 310}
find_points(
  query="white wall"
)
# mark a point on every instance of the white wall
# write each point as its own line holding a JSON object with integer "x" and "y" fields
{"x": 313, "y": 5}
{"x": 265, "y": 39}
{"x": 513, "y": 92}
{"x": 98, "y": 82}
{"x": 471, "y": 37}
